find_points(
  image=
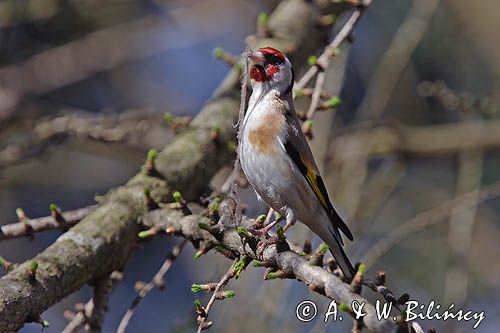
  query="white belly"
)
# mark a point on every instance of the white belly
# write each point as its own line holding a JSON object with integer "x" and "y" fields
{"x": 276, "y": 180}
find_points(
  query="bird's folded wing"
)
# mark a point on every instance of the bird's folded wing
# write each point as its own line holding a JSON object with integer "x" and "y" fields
{"x": 298, "y": 150}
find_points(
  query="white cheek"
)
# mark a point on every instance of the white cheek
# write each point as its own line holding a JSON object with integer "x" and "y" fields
{"x": 282, "y": 79}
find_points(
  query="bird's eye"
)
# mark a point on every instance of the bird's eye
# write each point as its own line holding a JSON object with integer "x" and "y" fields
{"x": 273, "y": 59}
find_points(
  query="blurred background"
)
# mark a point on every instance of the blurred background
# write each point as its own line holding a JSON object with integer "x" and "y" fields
{"x": 85, "y": 85}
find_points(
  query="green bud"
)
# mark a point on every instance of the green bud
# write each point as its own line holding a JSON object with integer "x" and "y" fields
{"x": 197, "y": 303}
{"x": 228, "y": 293}
{"x": 281, "y": 232}
{"x": 263, "y": 18}
{"x": 45, "y": 324}
{"x": 344, "y": 307}
{"x": 238, "y": 268}
{"x": 308, "y": 124}
{"x": 231, "y": 145}
{"x": 21, "y": 215}
{"x": 196, "y": 288}
{"x": 34, "y": 266}
{"x": 277, "y": 216}
{"x": 197, "y": 255}
{"x": 299, "y": 92}
{"x": 242, "y": 232}
{"x": 333, "y": 102}
{"x": 329, "y": 19}
{"x": 144, "y": 234}
{"x": 258, "y": 264}
{"x": 147, "y": 192}
{"x": 272, "y": 275}
{"x": 204, "y": 226}
{"x": 312, "y": 60}
{"x": 336, "y": 51}
{"x": 213, "y": 208}
{"x": 168, "y": 118}
{"x": 152, "y": 153}
{"x": 218, "y": 53}
{"x": 215, "y": 130}
{"x": 53, "y": 208}
{"x": 177, "y": 196}
{"x": 219, "y": 248}
{"x": 323, "y": 248}
{"x": 362, "y": 269}
{"x": 261, "y": 218}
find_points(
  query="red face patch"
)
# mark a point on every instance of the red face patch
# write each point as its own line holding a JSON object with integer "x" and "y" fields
{"x": 272, "y": 60}
{"x": 271, "y": 70}
{"x": 258, "y": 74}
{"x": 270, "y": 50}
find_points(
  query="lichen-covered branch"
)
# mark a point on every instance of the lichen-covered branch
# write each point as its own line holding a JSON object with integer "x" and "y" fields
{"x": 265, "y": 250}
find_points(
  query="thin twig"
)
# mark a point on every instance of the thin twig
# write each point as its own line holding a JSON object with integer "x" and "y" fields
{"x": 269, "y": 215}
{"x": 87, "y": 313}
{"x": 316, "y": 95}
{"x": 324, "y": 61}
{"x": 241, "y": 117}
{"x": 157, "y": 281}
{"x": 222, "y": 282}
{"x": 18, "y": 229}
{"x": 324, "y": 58}
{"x": 102, "y": 288}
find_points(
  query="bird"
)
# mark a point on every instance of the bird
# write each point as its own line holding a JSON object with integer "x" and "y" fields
{"x": 277, "y": 160}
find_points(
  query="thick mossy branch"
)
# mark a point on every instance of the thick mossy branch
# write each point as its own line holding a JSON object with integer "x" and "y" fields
{"x": 103, "y": 240}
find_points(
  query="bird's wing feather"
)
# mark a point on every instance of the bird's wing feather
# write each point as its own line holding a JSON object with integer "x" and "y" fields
{"x": 298, "y": 150}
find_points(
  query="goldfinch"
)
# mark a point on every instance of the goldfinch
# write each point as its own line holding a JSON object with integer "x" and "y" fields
{"x": 277, "y": 160}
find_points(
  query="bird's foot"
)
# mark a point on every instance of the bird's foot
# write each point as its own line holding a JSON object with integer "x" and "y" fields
{"x": 259, "y": 232}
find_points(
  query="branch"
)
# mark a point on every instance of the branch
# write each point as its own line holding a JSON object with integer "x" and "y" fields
{"x": 88, "y": 313}
{"x": 329, "y": 51}
{"x": 264, "y": 250}
{"x": 157, "y": 281}
{"x": 202, "y": 323}
{"x": 104, "y": 239}
{"x": 123, "y": 127}
{"x": 419, "y": 140}
{"x": 30, "y": 226}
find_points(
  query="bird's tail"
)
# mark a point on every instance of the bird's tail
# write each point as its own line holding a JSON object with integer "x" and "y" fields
{"x": 339, "y": 254}
{"x": 322, "y": 226}
{"x": 326, "y": 231}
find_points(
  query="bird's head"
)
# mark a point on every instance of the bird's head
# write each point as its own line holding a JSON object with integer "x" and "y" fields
{"x": 271, "y": 69}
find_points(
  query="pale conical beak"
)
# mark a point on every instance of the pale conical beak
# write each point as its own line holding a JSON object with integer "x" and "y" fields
{"x": 256, "y": 57}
